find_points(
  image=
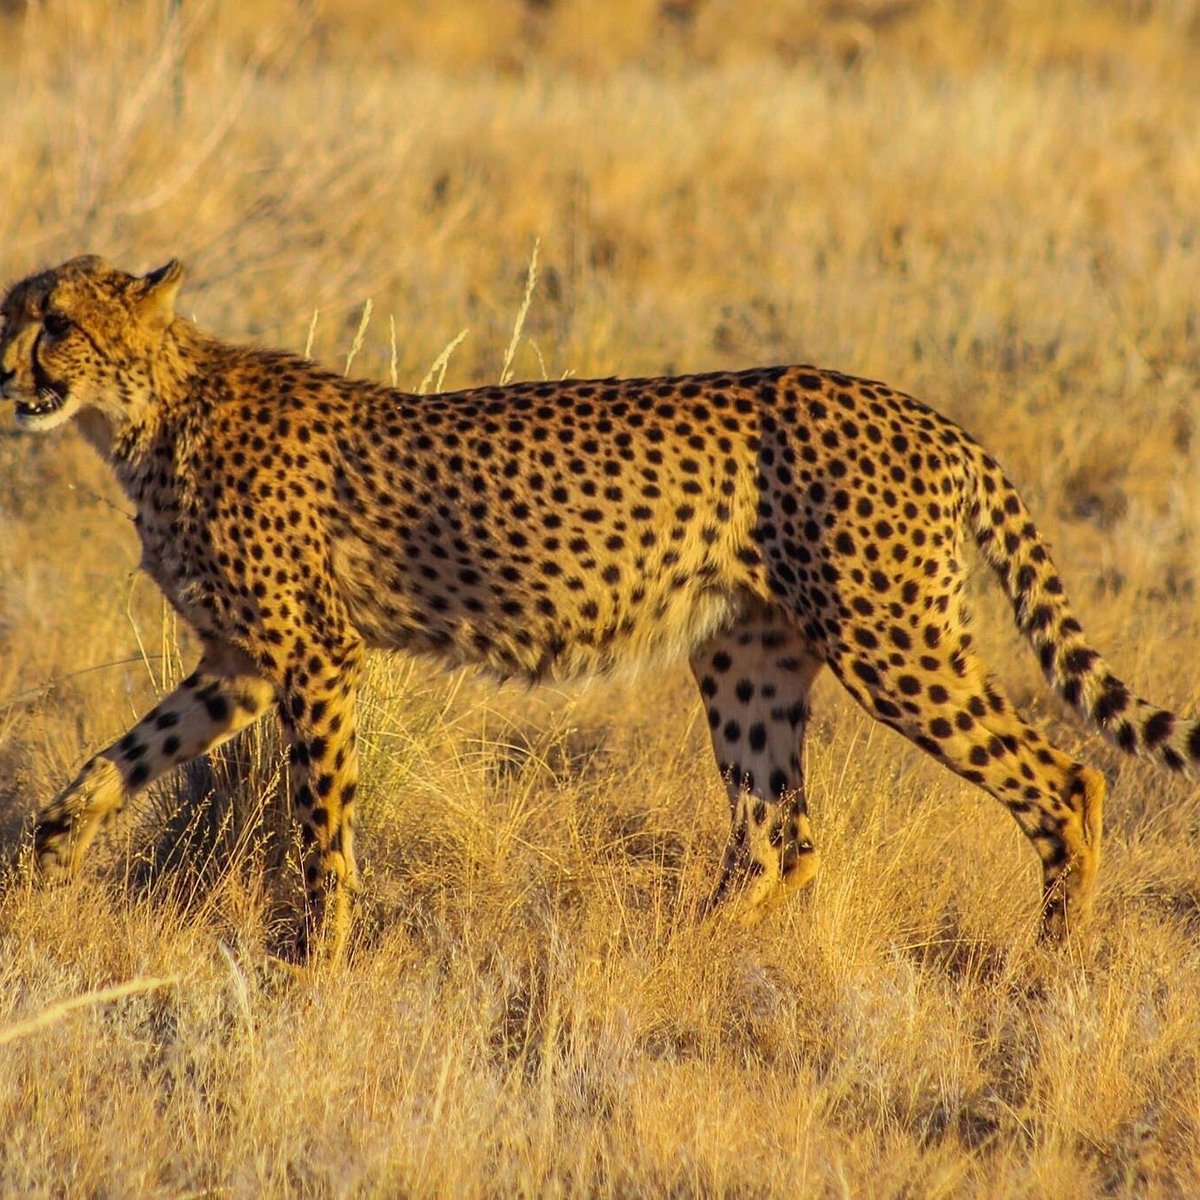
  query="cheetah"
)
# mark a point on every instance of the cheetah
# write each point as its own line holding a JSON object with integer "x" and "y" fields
{"x": 763, "y": 523}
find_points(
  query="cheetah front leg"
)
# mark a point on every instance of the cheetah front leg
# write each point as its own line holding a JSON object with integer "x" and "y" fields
{"x": 755, "y": 681}
{"x": 317, "y": 708}
{"x": 222, "y": 696}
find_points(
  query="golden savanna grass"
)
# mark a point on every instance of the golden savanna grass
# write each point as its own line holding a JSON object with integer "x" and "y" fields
{"x": 996, "y": 206}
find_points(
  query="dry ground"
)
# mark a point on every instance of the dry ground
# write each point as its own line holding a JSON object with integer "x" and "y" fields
{"x": 996, "y": 206}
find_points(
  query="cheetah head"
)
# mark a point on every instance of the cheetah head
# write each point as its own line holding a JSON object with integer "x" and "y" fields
{"x": 85, "y": 336}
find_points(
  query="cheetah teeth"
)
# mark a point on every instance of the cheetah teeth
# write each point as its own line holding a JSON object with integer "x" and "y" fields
{"x": 48, "y": 401}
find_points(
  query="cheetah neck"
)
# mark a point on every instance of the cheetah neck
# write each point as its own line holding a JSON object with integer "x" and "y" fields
{"x": 175, "y": 406}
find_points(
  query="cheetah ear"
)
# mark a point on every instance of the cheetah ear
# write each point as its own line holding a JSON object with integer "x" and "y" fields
{"x": 157, "y": 291}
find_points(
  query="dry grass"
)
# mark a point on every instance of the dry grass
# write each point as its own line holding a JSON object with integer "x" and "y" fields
{"x": 992, "y": 205}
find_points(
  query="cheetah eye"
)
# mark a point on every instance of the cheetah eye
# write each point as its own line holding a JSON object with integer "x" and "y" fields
{"x": 56, "y": 324}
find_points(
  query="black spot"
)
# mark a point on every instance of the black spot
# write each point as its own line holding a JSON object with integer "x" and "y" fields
{"x": 866, "y": 673}
{"x": 1114, "y": 701}
{"x": 1055, "y": 857}
{"x": 1158, "y": 728}
{"x": 1040, "y": 618}
{"x": 1079, "y": 660}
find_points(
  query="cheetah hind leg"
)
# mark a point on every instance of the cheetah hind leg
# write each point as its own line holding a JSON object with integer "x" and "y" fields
{"x": 755, "y": 681}
{"x": 764, "y": 864}
{"x": 1067, "y": 894}
{"x": 971, "y": 727}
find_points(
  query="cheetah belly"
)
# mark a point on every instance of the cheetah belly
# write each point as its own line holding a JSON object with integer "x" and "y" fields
{"x": 512, "y": 630}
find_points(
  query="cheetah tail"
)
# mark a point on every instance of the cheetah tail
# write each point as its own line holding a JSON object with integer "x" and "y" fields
{"x": 1006, "y": 534}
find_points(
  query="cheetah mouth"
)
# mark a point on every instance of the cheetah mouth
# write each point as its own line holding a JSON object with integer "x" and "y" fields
{"x": 49, "y": 405}
{"x": 48, "y": 401}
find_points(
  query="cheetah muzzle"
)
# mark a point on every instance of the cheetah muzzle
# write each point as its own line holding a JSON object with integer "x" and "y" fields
{"x": 765, "y": 524}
